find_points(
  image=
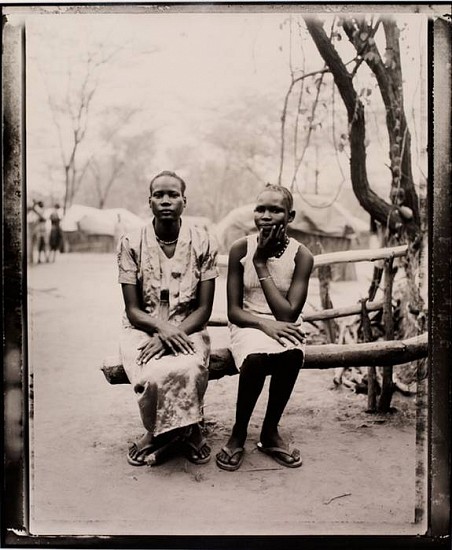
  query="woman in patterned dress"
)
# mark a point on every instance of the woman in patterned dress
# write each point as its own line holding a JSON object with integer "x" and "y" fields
{"x": 268, "y": 279}
{"x": 167, "y": 270}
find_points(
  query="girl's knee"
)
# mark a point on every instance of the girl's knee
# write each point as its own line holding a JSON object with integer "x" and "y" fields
{"x": 294, "y": 357}
{"x": 256, "y": 363}
{"x": 288, "y": 361}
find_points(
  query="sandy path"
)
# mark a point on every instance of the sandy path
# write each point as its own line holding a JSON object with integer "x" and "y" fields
{"x": 82, "y": 484}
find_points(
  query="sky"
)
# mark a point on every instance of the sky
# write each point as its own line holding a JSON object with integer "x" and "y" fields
{"x": 183, "y": 71}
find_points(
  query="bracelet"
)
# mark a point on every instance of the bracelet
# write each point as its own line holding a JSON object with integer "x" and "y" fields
{"x": 264, "y": 278}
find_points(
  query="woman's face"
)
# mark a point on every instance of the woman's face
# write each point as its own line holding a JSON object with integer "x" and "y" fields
{"x": 167, "y": 201}
{"x": 271, "y": 210}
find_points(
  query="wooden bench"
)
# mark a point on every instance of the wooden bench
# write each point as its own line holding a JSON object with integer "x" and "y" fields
{"x": 327, "y": 356}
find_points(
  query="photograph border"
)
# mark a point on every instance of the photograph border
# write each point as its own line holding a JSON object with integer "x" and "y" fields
{"x": 16, "y": 397}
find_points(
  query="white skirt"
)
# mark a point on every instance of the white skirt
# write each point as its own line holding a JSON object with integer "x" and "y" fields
{"x": 246, "y": 341}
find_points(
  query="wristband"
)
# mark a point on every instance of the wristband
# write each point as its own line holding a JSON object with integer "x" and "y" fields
{"x": 264, "y": 278}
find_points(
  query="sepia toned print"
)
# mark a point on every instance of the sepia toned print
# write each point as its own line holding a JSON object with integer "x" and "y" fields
{"x": 333, "y": 106}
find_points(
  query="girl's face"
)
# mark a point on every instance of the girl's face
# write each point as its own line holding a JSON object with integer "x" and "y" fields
{"x": 271, "y": 210}
{"x": 167, "y": 201}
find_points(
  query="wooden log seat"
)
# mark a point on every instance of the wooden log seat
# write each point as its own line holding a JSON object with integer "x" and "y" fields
{"x": 327, "y": 356}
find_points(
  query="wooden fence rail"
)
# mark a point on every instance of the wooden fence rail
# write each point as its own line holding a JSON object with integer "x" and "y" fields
{"x": 326, "y": 356}
{"x": 346, "y": 256}
{"x": 321, "y": 315}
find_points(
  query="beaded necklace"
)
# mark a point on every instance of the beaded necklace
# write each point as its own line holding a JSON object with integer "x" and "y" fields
{"x": 161, "y": 241}
{"x": 167, "y": 243}
{"x": 283, "y": 249}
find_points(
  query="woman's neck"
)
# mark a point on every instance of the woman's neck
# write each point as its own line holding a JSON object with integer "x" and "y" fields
{"x": 167, "y": 230}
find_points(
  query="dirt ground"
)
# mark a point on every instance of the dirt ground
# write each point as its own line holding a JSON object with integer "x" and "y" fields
{"x": 358, "y": 474}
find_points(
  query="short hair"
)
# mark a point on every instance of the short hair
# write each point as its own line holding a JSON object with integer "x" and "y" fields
{"x": 286, "y": 194}
{"x": 172, "y": 175}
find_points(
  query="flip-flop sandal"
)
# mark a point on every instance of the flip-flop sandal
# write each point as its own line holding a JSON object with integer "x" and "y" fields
{"x": 139, "y": 458}
{"x": 192, "y": 453}
{"x": 274, "y": 453}
{"x": 230, "y": 453}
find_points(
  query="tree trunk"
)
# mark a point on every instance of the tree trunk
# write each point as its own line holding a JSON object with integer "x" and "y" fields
{"x": 379, "y": 209}
{"x": 390, "y": 84}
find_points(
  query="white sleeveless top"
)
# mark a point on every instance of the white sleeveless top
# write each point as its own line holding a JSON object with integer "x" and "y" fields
{"x": 281, "y": 270}
{"x": 245, "y": 341}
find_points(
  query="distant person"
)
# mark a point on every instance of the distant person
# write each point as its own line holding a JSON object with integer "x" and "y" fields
{"x": 267, "y": 285}
{"x": 167, "y": 270}
{"x": 40, "y": 234}
{"x": 32, "y": 221}
{"x": 56, "y": 234}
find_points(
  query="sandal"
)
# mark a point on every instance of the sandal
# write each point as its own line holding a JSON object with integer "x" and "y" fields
{"x": 192, "y": 452}
{"x": 276, "y": 452}
{"x": 230, "y": 454}
{"x": 139, "y": 455}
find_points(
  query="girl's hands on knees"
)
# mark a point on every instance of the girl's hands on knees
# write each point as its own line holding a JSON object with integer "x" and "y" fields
{"x": 175, "y": 339}
{"x": 282, "y": 330}
{"x": 152, "y": 348}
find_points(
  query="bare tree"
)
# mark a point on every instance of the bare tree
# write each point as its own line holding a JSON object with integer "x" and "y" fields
{"x": 71, "y": 117}
{"x": 107, "y": 164}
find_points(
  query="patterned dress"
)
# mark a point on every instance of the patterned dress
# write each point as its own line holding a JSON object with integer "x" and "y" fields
{"x": 245, "y": 340}
{"x": 169, "y": 390}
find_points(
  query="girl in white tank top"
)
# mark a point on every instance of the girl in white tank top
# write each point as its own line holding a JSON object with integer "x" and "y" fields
{"x": 268, "y": 281}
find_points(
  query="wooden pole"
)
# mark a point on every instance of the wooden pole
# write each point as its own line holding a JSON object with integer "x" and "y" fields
{"x": 371, "y": 373}
{"x": 384, "y": 403}
{"x": 330, "y": 325}
{"x": 324, "y": 275}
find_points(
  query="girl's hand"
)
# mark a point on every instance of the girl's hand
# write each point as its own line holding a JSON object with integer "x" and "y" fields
{"x": 267, "y": 243}
{"x": 175, "y": 339}
{"x": 152, "y": 348}
{"x": 282, "y": 330}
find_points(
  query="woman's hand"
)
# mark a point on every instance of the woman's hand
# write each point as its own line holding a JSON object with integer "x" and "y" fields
{"x": 267, "y": 243}
{"x": 175, "y": 339}
{"x": 282, "y": 330}
{"x": 152, "y": 348}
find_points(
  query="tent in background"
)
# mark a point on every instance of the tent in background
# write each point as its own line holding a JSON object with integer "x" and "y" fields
{"x": 88, "y": 229}
{"x": 104, "y": 222}
{"x": 73, "y": 215}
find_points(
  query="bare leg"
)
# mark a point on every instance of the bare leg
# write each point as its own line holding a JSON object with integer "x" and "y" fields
{"x": 251, "y": 382}
{"x": 283, "y": 377}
